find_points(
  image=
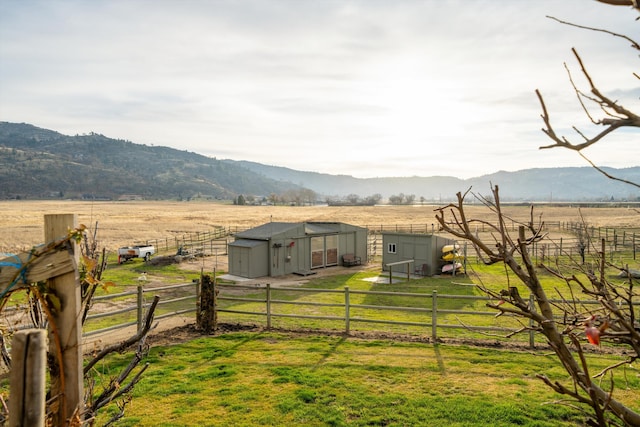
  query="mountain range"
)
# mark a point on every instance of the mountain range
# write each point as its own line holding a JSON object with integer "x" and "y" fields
{"x": 38, "y": 163}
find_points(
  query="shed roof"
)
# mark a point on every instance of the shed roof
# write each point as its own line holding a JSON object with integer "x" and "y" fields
{"x": 268, "y": 230}
{"x": 321, "y": 227}
{"x": 246, "y": 243}
{"x": 271, "y": 229}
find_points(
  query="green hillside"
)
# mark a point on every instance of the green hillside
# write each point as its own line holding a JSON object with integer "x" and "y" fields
{"x": 40, "y": 163}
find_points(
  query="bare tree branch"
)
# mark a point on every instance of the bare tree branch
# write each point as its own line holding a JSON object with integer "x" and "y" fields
{"x": 634, "y": 44}
{"x": 610, "y": 321}
{"x": 633, "y": 3}
{"x": 615, "y": 117}
{"x": 608, "y": 175}
{"x": 626, "y": 119}
{"x": 120, "y": 347}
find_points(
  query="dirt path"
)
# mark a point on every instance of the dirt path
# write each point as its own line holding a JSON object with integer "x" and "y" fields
{"x": 165, "y": 331}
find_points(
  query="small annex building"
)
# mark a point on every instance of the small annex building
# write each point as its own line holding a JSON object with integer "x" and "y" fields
{"x": 424, "y": 249}
{"x": 279, "y": 248}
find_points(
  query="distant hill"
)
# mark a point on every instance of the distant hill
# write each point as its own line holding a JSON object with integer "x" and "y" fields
{"x": 37, "y": 163}
{"x": 546, "y": 184}
{"x": 40, "y": 163}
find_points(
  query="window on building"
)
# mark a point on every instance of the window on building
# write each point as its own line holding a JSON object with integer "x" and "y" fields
{"x": 391, "y": 248}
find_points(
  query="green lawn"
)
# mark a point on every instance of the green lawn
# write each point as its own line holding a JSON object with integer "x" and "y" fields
{"x": 247, "y": 379}
{"x": 276, "y": 378}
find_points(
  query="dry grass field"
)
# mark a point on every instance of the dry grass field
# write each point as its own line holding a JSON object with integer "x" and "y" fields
{"x": 123, "y": 223}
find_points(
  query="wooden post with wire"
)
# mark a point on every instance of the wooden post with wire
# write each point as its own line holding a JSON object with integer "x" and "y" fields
{"x": 65, "y": 328}
{"x": 58, "y": 266}
{"x": 27, "y": 383}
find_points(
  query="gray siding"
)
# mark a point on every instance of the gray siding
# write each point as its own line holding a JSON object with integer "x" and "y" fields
{"x": 246, "y": 258}
{"x": 285, "y": 248}
{"x": 422, "y": 248}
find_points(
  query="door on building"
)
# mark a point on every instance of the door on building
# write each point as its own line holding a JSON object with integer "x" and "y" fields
{"x": 241, "y": 264}
{"x": 324, "y": 251}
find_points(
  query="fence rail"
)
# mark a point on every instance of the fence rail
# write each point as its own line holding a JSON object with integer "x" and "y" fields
{"x": 209, "y": 242}
{"x": 347, "y": 306}
{"x": 140, "y": 305}
{"x": 266, "y": 307}
{"x": 215, "y": 241}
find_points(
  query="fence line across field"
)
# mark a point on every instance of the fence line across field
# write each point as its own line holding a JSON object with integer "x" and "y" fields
{"x": 267, "y": 307}
{"x": 215, "y": 241}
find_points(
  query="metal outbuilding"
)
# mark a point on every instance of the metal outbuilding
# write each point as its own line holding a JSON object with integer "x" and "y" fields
{"x": 278, "y": 248}
{"x": 424, "y": 249}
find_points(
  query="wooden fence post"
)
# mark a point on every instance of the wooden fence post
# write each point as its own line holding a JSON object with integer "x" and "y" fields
{"x": 434, "y": 316}
{"x": 28, "y": 368}
{"x": 140, "y": 306}
{"x": 268, "y": 298}
{"x": 347, "y": 311}
{"x": 532, "y": 333}
{"x": 206, "y": 316}
{"x": 65, "y": 329}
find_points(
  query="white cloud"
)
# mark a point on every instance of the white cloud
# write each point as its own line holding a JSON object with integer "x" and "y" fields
{"x": 365, "y": 87}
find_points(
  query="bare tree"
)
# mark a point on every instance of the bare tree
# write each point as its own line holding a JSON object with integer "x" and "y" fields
{"x": 373, "y": 199}
{"x": 396, "y": 199}
{"x": 353, "y": 199}
{"x": 613, "y": 116}
{"x": 309, "y": 196}
{"x": 567, "y": 325}
{"x": 273, "y": 199}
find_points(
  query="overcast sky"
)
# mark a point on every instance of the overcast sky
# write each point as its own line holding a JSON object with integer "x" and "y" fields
{"x": 364, "y": 88}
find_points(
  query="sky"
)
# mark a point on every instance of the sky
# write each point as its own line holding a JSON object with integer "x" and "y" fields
{"x": 368, "y": 88}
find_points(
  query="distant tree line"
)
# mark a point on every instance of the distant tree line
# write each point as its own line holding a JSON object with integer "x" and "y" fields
{"x": 294, "y": 197}
{"x": 402, "y": 199}
{"x": 355, "y": 200}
